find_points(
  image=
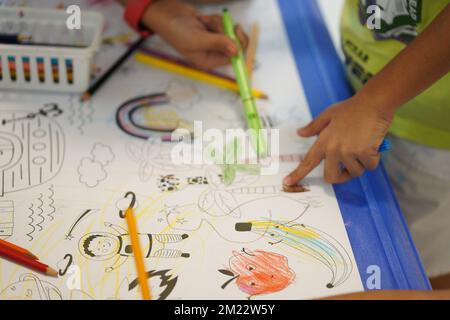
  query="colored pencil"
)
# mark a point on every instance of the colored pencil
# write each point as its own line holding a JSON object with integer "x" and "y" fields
{"x": 251, "y": 51}
{"x": 164, "y": 56}
{"x": 7, "y": 38}
{"x": 196, "y": 74}
{"x": 91, "y": 91}
{"x": 18, "y": 249}
{"x": 20, "y": 258}
{"x": 120, "y": 38}
{"x": 137, "y": 252}
{"x": 245, "y": 90}
{"x": 24, "y": 40}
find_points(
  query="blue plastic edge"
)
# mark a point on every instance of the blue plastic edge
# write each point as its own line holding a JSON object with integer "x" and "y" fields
{"x": 375, "y": 224}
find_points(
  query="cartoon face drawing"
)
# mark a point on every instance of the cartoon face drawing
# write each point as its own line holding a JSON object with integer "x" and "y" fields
{"x": 117, "y": 246}
{"x": 100, "y": 245}
{"x": 260, "y": 272}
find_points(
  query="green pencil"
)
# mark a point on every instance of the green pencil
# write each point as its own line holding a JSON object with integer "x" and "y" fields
{"x": 245, "y": 89}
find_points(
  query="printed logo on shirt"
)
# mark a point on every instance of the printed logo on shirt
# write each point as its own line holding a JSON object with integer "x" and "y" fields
{"x": 399, "y": 18}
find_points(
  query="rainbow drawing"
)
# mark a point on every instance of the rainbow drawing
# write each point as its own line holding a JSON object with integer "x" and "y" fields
{"x": 125, "y": 115}
{"x": 308, "y": 240}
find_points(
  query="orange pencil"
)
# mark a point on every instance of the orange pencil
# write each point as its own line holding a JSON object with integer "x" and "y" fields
{"x": 137, "y": 252}
{"x": 18, "y": 249}
{"x": 19, "y": 258}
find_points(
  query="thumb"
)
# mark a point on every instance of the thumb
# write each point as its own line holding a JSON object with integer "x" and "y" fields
{"x": 316, "y": 126}
{"x": 218, "y": 43}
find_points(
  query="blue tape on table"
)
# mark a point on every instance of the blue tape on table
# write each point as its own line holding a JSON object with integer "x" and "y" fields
{"x": 375, "y": 225}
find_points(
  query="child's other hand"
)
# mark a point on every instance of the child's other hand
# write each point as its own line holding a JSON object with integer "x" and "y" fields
{"x": 197, "y": 37}
{"x": 350, "y": 134}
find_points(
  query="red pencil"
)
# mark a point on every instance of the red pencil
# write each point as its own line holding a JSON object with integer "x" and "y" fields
{"x": 26, "y": 261}
{"x": 18, "y": 249}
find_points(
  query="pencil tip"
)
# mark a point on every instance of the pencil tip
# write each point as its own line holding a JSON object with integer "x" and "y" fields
{"x": 85, "y": 97}
{"x": 264, "y": 96}
{"x": 51, "y": 272}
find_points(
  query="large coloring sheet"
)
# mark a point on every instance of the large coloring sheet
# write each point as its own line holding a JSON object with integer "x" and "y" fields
{"x": 68, "y": 170}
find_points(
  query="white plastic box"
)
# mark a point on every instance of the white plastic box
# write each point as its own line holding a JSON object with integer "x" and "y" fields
{"x": 48, "y": 68}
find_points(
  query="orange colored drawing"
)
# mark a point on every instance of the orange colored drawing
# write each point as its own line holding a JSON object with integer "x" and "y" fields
{"x": 259, "y": 272}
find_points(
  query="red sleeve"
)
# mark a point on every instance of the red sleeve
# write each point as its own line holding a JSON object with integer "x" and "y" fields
{"x": 134, "y": 10}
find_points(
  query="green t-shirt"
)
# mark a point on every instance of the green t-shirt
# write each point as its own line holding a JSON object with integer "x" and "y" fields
{"x": 426, "y": 118}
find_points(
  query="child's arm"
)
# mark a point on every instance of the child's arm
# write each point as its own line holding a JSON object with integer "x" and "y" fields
{"x": 197, "y": 37}
{"x": 350, "y": 132}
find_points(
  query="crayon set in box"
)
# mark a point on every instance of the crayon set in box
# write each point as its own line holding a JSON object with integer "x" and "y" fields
{"x": 54, "y": 58}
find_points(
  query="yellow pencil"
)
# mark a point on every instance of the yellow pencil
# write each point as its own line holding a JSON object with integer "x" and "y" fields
{"x": 137, "y": 252}
{"x": 251, "y": 51}
{"x": 193, "y": 73}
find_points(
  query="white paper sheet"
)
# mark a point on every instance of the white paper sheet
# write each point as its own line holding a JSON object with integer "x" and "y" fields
{"x": 66, "y": 176}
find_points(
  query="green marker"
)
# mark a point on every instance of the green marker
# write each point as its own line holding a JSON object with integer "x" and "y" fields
{"x": 245, "y": 89}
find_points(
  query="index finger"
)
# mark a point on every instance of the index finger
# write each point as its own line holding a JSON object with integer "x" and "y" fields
{"x": 310, "y": 162}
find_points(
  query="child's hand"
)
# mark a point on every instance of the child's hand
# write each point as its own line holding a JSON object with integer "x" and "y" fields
{"x": 197, "y": 37}
{"x": 350, "y": 134}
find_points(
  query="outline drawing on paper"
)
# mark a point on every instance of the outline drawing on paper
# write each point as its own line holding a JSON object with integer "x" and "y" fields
{"x": 91, "y": 170}
{"x": 116, "y": 244}
{"x": 152, "y": 154}
{"x": 31, "y": 151}
{"x": 162, "y": 284}
{"x": 308, "y": 240}
{"x": 6, "y": 218}
{"x": 30, "y": 287}
{"x": 78, "y": 220}
{"x": 190, "y": 217}
{"x": 221, "y": 197}
{"x": 41, "y": 212}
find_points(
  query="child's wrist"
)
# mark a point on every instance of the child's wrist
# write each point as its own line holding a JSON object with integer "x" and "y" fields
{"x": 154, "y": 15}
{"x": 377, "y": 102}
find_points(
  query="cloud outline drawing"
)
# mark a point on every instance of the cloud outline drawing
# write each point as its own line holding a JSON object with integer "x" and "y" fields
{"x": 102, "y": 154}
{"x": 91, "y": 172}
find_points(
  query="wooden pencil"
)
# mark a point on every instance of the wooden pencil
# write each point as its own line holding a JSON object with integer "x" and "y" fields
{"x": 19, "y": 258}
{"x": 137, "y": 253}
{"x": 182, "y": 62}
{"x": 18, "y": 249}
{"x": 251, "y": 51}
{"x": 17, "y": 38}
{"x": 192, "y": 73}
{"x": 97, "y": 84}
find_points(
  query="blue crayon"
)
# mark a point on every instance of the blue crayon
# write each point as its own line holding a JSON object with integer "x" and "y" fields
{"x": 385, "y": 146}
